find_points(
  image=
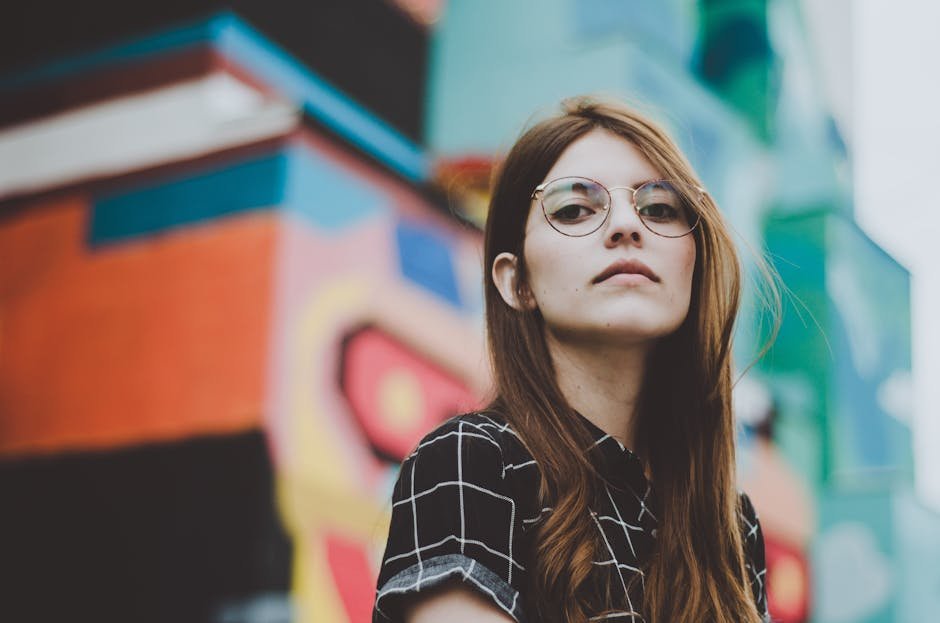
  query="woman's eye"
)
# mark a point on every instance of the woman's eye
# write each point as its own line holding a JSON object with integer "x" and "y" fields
{"x": 659, "y": 212}
{"x": 572, "y": 212}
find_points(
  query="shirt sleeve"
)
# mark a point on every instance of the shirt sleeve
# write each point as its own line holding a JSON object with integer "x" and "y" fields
{"x": 754, "y": 562}
{"x": 454, "y": 519}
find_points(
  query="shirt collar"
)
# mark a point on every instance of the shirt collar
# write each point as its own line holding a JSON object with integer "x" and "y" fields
{"x": 604, "y": 439}
{"x": 618, "y": 460}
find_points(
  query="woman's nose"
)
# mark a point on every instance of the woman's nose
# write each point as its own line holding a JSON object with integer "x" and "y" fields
{"x": 622, "y": 220}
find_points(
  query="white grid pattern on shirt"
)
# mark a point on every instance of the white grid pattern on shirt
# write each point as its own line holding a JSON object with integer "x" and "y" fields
{"x": 632, "y": 613}
{"x": 626, "y": 532}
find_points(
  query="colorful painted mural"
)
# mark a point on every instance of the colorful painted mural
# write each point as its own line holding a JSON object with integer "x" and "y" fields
{"x": 272, "y": 299}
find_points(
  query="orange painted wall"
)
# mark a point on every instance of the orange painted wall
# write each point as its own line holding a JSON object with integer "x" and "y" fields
{"x": 153, "y": 339}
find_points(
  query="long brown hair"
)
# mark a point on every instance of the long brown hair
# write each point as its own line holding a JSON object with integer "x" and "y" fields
{"x": 684, "y": 429}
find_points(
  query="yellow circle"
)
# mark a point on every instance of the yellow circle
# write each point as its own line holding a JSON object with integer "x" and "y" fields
{"x": 786, "y": 583}
{"x": 400, "y": 399}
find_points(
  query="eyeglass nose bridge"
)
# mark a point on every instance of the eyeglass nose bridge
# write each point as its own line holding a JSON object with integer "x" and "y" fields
{"x": 610, "y": 193}
{"x": 610, "y": 205}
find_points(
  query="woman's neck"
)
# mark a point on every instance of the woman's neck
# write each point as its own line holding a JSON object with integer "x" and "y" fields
{"x": 602, "y": 382}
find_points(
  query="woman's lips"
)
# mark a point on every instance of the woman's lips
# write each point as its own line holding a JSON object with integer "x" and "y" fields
{"x": 623, "y": 269}
{"x": 627, "y": 279}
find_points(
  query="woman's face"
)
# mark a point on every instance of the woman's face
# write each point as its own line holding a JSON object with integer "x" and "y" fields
{"x": 563, "y": 271}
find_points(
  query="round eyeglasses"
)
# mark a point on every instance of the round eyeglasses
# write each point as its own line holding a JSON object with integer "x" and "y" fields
{"x": 578, "y": 206}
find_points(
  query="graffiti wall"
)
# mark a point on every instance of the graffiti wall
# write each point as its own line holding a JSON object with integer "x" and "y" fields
{"x": 218, "y": 339}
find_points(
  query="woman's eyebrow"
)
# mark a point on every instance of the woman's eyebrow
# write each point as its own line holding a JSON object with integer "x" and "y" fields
{"x": 640, "y": 183}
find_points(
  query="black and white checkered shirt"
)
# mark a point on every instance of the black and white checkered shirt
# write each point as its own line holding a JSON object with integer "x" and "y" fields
{"x": 465, "y": 505}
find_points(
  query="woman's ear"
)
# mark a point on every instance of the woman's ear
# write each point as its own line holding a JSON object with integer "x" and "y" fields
{"x": 506, "y": 279}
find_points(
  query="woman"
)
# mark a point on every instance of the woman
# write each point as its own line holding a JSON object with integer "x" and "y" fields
{"x": 599, "y": 483}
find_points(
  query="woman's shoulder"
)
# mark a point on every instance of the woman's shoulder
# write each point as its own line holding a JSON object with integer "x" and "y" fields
{"x": 749, "y": 522}
{"x": 475, "y": 429}
{"x": 477, "y": 447}
{"x": 746, "y": 511}
{"x": 491, "y": 423}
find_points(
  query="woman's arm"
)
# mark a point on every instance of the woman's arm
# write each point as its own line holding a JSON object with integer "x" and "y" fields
{"x": 455, "y": 604}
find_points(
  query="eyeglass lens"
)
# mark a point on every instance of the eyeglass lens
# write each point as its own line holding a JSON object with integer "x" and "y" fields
{"x": 578, "y": 206}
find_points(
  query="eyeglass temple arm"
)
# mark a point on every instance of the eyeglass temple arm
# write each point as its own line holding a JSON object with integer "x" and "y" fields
{"x": 537, "y": 190}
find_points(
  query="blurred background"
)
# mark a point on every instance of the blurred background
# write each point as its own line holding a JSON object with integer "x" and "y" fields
{"x": 240, "y": 276}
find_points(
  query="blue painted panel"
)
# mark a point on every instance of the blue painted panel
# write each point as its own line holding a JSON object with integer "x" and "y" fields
{"x": 252, "y": 185}
{"x": 863, "y": 439}
{"x": 425, "y": 258}
{"x": 325, "y": 194}
{"x": 297, "y": 180}
{"x": 870, "y": 331}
